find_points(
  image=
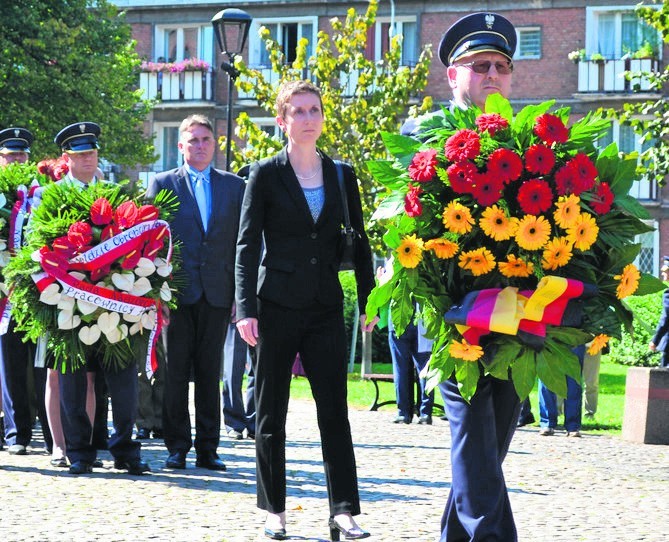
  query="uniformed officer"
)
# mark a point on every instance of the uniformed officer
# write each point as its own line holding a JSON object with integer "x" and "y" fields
{"x": 79, "y": 143}
{"x": 15, "y": 145}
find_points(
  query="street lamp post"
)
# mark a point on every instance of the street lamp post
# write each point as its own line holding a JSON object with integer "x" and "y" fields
{"x": 231, "y": 26}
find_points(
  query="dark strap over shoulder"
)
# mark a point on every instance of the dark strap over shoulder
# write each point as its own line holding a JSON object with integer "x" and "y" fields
{"x": 342, "y": 189}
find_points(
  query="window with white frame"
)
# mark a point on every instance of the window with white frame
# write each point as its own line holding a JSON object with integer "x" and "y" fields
{"x": 385, "y": 28}
{"x": 166, "y": 138}
{"x": 616, "y": 31}
{"x": 268, "y": 125}
{"x": 287, "y": 32}
{"x": 648, "y": 259}
{"x": 529, "y": 43}
{"x": 174, "y": 43}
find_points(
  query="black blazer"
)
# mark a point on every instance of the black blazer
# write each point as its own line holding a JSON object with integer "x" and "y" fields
{"x": 208, "y": 259}
{"x": 301, "y": 260}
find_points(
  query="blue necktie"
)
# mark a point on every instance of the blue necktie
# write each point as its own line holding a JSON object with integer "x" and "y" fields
{"x": 201, "y": 198}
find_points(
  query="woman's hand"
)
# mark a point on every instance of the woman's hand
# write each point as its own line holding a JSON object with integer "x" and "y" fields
{"x": 248, "y": 330}
{"x": 368, "y": 327}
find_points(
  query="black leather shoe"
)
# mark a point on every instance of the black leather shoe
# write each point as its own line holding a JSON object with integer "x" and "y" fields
{"x": 526, "y": 420}
{"x": 143, "y": 434}
{"x": 425, "y": 420}
{"x": 81, "y": 467}
{"x": 353, "y": 534}
{"x": 402, "y": 419}
{"x": 133, "y": 466}
{"x": 177, "y": 460}
{"x": 209, "y": 460}
{"x": 158, "y": 433}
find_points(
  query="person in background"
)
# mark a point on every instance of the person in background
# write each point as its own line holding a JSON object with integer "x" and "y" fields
{"x": 659, "y": 341}
{"x": 294, "y": 303}
{"x": 206, "y": 224}
{"x": 18, "y": 357}
{"x": 477, "y": 51}
{"x": 591, "y": 365}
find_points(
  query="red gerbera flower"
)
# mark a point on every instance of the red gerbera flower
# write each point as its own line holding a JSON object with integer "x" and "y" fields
{"x": 539, "y": 159}
{"x": 462, "y": 145}
{"x": 461, "y": 176}
{"x": 491, "y": 123}
{"x": 603, "y": 199}
{"x": 585, "y": 171}
{"x": 412, "y": 204}
{"x": 487, "y": 188}
{"x": 535, "y": 196}
{"x": 551, "y": 129}
{"x": 423, "y": 164}
{"x": 565, "y": 181}
{"x": 505, "y": 164}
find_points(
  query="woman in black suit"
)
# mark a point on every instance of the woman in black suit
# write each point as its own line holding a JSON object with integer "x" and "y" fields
{"x": 294, "y": 303}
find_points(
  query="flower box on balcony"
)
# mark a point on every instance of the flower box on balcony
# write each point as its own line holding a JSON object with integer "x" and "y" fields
{"x": 176, "y": 81}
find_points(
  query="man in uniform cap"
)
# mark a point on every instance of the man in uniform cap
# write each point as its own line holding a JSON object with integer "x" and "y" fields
{"x": 660, "y": 340}
{"x": 477, "y": 52}
{"x": 14, "y": 145}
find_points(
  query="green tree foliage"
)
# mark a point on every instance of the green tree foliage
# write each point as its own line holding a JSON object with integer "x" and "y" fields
{"x": 649, "y": 118}
{"x": 381, "y": 95}
{"x": 62, "y": 61}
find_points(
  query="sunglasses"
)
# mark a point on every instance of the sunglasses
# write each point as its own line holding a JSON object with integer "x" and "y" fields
{"x": 483, "y": 66}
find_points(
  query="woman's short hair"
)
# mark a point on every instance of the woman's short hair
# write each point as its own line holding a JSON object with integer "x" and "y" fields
{"x": 289, "y": 89}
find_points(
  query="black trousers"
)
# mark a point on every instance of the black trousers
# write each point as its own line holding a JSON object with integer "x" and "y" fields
{"x": 317, "y": 333}
{"x": 194, "y": 347}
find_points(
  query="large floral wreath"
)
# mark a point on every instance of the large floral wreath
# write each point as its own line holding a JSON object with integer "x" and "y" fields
{"x": 515, "y": 237}
{"x": 95, "y": 274}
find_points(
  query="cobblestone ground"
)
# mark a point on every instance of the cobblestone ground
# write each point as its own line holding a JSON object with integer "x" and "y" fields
{"x": 591, "y": 489}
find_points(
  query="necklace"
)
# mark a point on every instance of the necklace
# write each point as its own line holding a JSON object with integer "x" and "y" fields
{"x": 308, "y": 177}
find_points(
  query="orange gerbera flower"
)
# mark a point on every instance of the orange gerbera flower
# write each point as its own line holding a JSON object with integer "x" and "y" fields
{"x": 598, "y": 343}
{"x": 442, "y": 248}
{"x": 567, "y": 210}
{"x": 629, "y": 281}
{"x": 410, "y": 251}
{"x": 533, "y": 232}
{"x": 496, "y": 224}
{"x": 515, "y": 267}
{"x": 457, "y": 218}
{"x": 479, "y": 261}
{"x": 464, "y": 350}
{"x": 584, "y": 231}
{"x": 557, "y": 253}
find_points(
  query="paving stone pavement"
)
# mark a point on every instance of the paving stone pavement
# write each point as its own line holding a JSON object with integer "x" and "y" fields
{"x": 596, "y": 488}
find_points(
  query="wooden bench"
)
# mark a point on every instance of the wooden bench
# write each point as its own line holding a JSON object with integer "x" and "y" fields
{"x": 375, "y": 378}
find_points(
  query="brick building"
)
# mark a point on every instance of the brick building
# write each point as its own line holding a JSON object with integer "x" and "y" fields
{"x": 547, "y": 32}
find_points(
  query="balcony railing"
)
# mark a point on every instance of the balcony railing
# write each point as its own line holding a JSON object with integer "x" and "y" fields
{"x": 607, "y": 75}
{"x": 177, "y": 86}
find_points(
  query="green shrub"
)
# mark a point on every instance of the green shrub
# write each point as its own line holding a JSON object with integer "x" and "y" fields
{"x": 380, "y": 349}
{"x": 633, "y": 350}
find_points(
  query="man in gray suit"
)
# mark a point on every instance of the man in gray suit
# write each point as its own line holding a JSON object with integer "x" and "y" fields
{"x": 206, "y": 224}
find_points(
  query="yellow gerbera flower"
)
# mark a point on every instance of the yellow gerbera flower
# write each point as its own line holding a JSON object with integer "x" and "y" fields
{"x": 629, "y": 281}
{"x": 533, "y": 232}
{"x": 496, "y": 224}
{"x": 410, "y": 251}
{"x": 557, "y": 253}
{"x": 583, "y": 233}
{"x": 598, "y": 343}
{"x": 464, "y": 350}
{"x": 442, "y": 248}
{"x": 515, "y": 267}
{"x": 457, "y": 218}
{"x": 567, "y": 210}
{"x": 479, "y": 261}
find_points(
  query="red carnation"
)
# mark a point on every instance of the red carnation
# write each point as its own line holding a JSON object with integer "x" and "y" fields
{"x": 423, "y": 164}
{"x": 150, "y": 212}
{"x": 551, "y": 129}
{"x": 487, "y": 188}
{"x": 491, "y": 123}
{"x": 101, "y": 212}
{"x": 603, "y": 199}
{"x": 461, "y": 176}
{"x": 53, "y": 261}
{"x": 80, "y": 234}
{"x": 126, "y": 215}
{"x": 585, "y": 171}
{"x": 539, "y": 159}
{"x": 505, "y": 164}
{"x": 412, "y": 204}
{"x": 62, "y": 245}
{"x": 131, "y": 259}
{"x": 535, "y": 196}
{"x": 60, "y": 169}
{"x": 463, "y": 145}
{"x": 45, "y": 167}
{"x": 100, "y": 272}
